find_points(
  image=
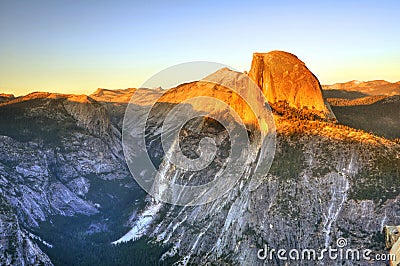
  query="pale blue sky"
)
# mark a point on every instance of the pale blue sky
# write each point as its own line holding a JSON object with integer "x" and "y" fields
{"x": 78, "y": 46}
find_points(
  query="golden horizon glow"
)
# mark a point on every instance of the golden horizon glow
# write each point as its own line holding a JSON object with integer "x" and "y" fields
{"x": 77, "y": 47}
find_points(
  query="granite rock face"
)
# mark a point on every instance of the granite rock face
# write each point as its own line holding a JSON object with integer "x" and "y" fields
{"x": 392, "y": 234}
{"x": 53, "y": 148}
{"x": 319, "y": 189}
{"x": 327, "y": 182}
{"x": 16, "y": 246}
{"x": 285, "y": 78}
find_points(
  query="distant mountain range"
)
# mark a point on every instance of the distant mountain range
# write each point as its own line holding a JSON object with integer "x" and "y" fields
{"x": 375, "y": 87}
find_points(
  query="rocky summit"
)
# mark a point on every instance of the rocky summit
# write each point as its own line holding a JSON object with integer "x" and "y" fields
{"x": 285, "y": 78}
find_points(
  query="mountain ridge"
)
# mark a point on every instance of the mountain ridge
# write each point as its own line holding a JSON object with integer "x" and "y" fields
{"x": 373, "y": 87}
{"x": 63, "y": 179}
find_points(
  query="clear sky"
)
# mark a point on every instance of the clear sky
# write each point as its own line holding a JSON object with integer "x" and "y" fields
{"x": 79, "y": 46}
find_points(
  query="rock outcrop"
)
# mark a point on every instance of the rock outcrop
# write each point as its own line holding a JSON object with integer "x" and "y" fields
{"x": 284, "y": 78}
{"x": 393, "y": 243}
{"x": 16, "y": 248}
{"x": 115, "y": 101}
{"x": 88, "y": 113}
